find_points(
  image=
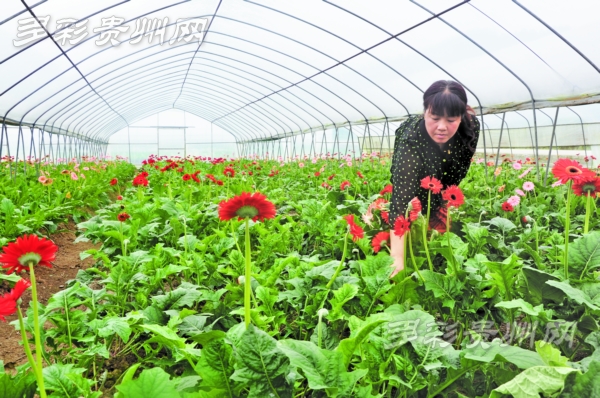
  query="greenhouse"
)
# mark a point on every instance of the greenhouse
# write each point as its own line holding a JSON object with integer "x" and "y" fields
{"x": 226, "y": 198}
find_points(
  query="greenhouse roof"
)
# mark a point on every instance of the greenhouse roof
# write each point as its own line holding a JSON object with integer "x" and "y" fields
{"x": 266, "y": 69}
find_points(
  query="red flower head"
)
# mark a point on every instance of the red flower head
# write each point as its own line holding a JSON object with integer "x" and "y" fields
{"x": 454, "y": 196}
{"x": 195, "y": 178}
{"x": 401, "y": 226}
{"x": 381, "y": 239}
{"x": 114, "y": 181}
{"x": 355, "y": 230}
{"x": 344, "y": 185}
{"x": 507, "y": 207}
{"x": 567, "y": 170}
{"x": 28, "y": 249}
{"x": 359, "y": 174}
{"x": 211, "y": 177}
{"x": 331, "y": 177}
{"x": 386, "y": 216}
{"x": 317, "y": 174}
{"x": 144, "y": 174}
{"x": 219, "y": 182}
{"x": 587, "y": 184}
{"x": 414, "y": 208}
{"x": 247, "y": 205}
{"x": 140, "y": 180}
{"x": 432, "y": 184}
{"x": 186, "y": 177}
{"x": 388, "y": 189}
{"x": 119, "y": 197}
{"x": 8, "y": 302}
{"x": 526, "y": 219}
{"x": 123, "y": 217}
{"x": 229, "y": 172}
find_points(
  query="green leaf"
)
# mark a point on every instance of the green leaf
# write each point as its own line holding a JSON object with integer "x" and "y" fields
{"x": 152, "y": 383}
{"x": 115, "y": 325}
{"x": 324, "y": 369}
{"x": 185, "y": 295}
{"x": 165, "y": 336}
{"x": 574, "y": 294}
{"x": 65, "y": 380}
{"x": 533, "y": 381}
{"x": 584, "y": 253}
{"x": 216, "y": 366}
{"x": 537, "y": 291}
{"x": 260, "y": 364}
{"x": 502, "y": 223}
{"x": 522, "y": 305}
{"x": 21, "y": 387}
{"x": 445, "y": 287}
{"x": 503, "y": 275}
{"x": 550, "y": 355}
{"x": 349, "y": 345}
{"x": 583, "y": 385}
{"x": 340, "y": 297}
{"x": 496, "y": 351}
{"x": 193, "y": 325}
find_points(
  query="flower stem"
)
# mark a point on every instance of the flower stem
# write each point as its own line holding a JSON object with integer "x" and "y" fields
{"x": 36, "y": 332}
{"x": 567, "y": 226}
{"x": 425, "y": 231}
{"x": 247, "y": 277}
{"x": 28, "y": 350}
{"x": 586, "y": 225}
{"x": 452, "y": 259}
{"x": 339, "y": 268}
{"x": 412, "y": 256}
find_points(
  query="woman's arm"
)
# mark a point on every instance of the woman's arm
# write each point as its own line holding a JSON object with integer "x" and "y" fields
{"x": 397, "y": 252}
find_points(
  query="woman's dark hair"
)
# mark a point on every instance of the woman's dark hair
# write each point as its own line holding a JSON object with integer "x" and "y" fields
{"x": 449, "y": 98}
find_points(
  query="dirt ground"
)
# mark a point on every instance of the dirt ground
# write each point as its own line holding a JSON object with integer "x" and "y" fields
{"x": 50, "y": 281}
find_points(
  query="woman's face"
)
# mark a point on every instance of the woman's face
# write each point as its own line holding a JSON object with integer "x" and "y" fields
{"x": 441, "y": 128}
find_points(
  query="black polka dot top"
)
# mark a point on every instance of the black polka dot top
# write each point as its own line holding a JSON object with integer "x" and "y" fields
{"x": 417, "y": 156}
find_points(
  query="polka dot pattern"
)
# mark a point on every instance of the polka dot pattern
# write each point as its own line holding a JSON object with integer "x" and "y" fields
{"x": 417, "y": 156}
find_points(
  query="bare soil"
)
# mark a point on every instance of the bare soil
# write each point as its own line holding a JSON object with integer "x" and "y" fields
{"x": 50, "y": 281}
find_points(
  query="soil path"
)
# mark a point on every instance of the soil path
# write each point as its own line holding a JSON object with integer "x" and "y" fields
{"x": 50, "y": 281}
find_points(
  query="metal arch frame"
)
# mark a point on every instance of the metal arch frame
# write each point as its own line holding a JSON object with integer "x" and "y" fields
{"x": 501, "y": 64}
{"x": 430, "y": 61}
{"x": 582, "y": 129}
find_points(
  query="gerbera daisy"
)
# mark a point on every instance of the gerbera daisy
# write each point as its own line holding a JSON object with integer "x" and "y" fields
{"x": 195, "y": 178}
{"x": 344, "y": 185}
{"x": 331, "y": 177}
{"x": 140, "y": 181}
{"x": 186, "y": 177}
{"x": 507, "y": 207}
{"x": 114, "y": 181}
{"x": 19, "y": 289}
{"x": 454, "y": 196}
{"x": 355, "y": 230}
{"x": 587, "y": 185}
{"x": 387, "y": 189}
{"x": 517, "y": 166}
{"x": 229, "y": 172}
{"x": 381, "y": 239}
{"x": 567, "y": 170}
{"x": 386, "y": 216}
{"x": 528, "y": 186}
{"x": 414, "y": 207}
{"x": 519, "y": 192}
{"x": 247, "y": 205}
{"x": 123, "y": 217}
{"x": 401, "y": 226}
{"x": 42, "y": 179}
{"x": 514, "y": 200}
{"x": 432, "y": 184}
{"x": 359, "y": 174}
{"x": 26, "y": 250}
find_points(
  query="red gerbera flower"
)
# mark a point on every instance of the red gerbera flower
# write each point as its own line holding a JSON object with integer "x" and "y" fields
{"x": 355, "y": 230}
{"x": 587, "y": 184}
{"x": 247, "y": 205}
{"x": 119, "y": 197}
{"x": 219, "y": 182}
{"x": 8, "y": 301}
{"x": 507, "y": 207}
{"x": 401, "y": 226}
{"x": 140, "y": 180}
{"x": 186, "y": 177}
{"x": 359, "y": 174}
{"x": 123, "y": 217}
{"x": 454, "y": 196}
{"x": 229, "y": 172}
{"x": 386, "y": 216}
{"x": 344, "y": 185}
{"x": 331, "y": 177}
{"x": 567, "y": 170}
{"x": 317, "y": 174}
{"x": 195, "y": 178}
{"x": 414, "y": 208}
{"x": 144, "y": 174}
{"x": 431, "y": 183}
{"x": 28, "y": 249}
{"x": 381, "y": 239}
{"x": 114, "y": 181}
{"x": 388, "y": 189}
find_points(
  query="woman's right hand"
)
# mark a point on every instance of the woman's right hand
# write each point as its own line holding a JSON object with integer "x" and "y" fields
{"x": 397, "y": 253}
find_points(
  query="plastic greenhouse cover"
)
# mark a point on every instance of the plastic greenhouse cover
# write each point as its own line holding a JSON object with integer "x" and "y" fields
{"x": 265, "y": 68}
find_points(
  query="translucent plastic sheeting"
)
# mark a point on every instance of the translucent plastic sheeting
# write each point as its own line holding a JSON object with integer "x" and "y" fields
{"x": 266, "y": 68}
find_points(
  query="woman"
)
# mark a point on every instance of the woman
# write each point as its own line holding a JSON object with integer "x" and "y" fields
{"x": 440, "y": 143}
